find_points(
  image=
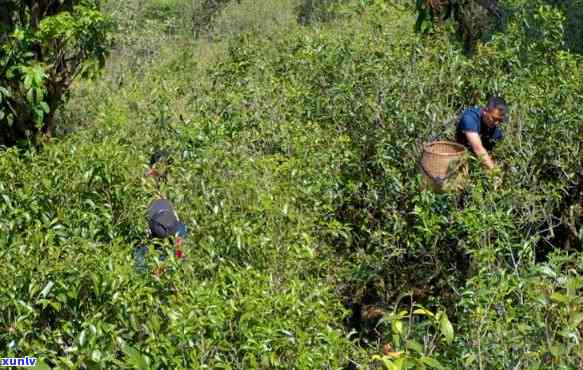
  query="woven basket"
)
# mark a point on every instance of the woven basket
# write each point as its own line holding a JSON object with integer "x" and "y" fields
{"x": 441, "y": 161}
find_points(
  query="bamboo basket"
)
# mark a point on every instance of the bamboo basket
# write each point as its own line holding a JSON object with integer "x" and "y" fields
{"x": 443, "y": 165}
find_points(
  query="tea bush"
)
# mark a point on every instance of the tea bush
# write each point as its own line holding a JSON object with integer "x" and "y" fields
{"x": 45, "y": 47}
{"x": 310, "y": 244}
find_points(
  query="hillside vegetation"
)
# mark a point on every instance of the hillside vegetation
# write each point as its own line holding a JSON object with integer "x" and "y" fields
{"x": 295, "y": 132}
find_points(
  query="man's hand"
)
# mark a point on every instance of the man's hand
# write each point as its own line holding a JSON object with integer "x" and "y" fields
{"x": 478, "y": 148}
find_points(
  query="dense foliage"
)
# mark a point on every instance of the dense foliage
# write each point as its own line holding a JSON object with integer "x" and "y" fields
{"x": 311, "y": 245}
{"x": 470, "y": 21}
{"x": 44, "y": 47}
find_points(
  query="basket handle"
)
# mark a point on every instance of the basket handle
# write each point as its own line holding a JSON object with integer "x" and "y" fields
{"x": 438, "y": 179}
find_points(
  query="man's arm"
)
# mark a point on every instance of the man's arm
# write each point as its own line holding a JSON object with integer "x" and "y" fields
{"x": 478, "y": 148}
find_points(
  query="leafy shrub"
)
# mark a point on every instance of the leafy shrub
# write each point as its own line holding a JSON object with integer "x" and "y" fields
{"x": 313, "y": 11}
{"x": 471, "y": 21}
{"x": 45, "y": 47}
{"x": 237, "y": 18}
{"x": 243, "y": 298}
{"x": 204, "y": 13}
{"x": 384, "y": 236}
{"x": 534, "y": 311}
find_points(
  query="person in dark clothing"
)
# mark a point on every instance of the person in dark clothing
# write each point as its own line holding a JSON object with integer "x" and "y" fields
{"x": 479, "y": 128}
{"x": 163, "y": 223}
{"x": 162, "y": 219}
{"x": 159, "y": 166}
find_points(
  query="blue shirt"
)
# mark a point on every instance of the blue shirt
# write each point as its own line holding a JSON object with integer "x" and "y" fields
{"x": 471, "y": 121}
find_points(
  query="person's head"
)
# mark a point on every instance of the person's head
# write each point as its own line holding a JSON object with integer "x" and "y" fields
{"x": 162, "y": 219}
{"x": 164, "y": 223}
{"x": 159, "y": 164}
{"x": 495, "y": 111}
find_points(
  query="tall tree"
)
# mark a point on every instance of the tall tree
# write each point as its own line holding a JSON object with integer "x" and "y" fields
{"x": 471, "y": 19}
{"x": 44, "y": 46}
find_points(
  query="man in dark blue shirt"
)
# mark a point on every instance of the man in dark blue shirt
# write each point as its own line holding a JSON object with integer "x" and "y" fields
{"x": 479, "y": 128}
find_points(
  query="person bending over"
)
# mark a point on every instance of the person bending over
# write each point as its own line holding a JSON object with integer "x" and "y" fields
{"x": 163, "y": 223}
{"x": 479, "y": 129}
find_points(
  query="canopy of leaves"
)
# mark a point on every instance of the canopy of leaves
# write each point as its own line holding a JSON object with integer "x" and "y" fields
{"x": 44, "y": 47}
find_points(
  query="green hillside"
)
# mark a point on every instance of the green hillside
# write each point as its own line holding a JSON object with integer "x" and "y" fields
{"x": 295, "y": 131}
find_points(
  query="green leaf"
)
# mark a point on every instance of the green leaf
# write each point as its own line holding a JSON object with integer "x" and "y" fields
{"x": 415, "y": 346}
{"x": 445, "y": 327}
{"x": 30, "y": 96}
{"x": 426, "y": 26}
{"x": 558, "y": 297}
{"x": 555, "y": 350}
{"x": 400, "y": 363}
{"x": 397, "y": 326}
{"x": 10, "y": 72}
{"x": 548, "y": 271}
{"x": 389, "y": 365}
{"x": 422, "y": 311}
{"x": 38, "y": 75}
{"x": 47, "y": 289}
{"x": 432, "y": 362}
{"x": 27, "y": 82}
{"x": 41, "y": 365}
{"x": 573, "y": 284}
{"x": 96, "y": 355}
{"x": 135, "y": 358}
{"x": 45, "y": 107}
{"x": 39, "y": 94}
{"x": 523, "y": 328}
{"x": 576, "y": 319}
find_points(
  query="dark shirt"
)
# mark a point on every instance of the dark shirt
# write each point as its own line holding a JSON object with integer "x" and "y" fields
{"x": 471, "y": 121}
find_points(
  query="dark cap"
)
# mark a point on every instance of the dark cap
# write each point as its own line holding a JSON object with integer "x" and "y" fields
{"x": 162, "y": 219}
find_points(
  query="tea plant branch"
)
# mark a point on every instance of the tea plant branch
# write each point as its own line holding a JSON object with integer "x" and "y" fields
{"x": 412, "y": 303}
{"x": 433, "y": 344}
{"x": 479, "y": 332}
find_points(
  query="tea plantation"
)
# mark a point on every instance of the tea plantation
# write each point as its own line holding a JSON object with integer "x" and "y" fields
{"x": 310, "y": 245}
